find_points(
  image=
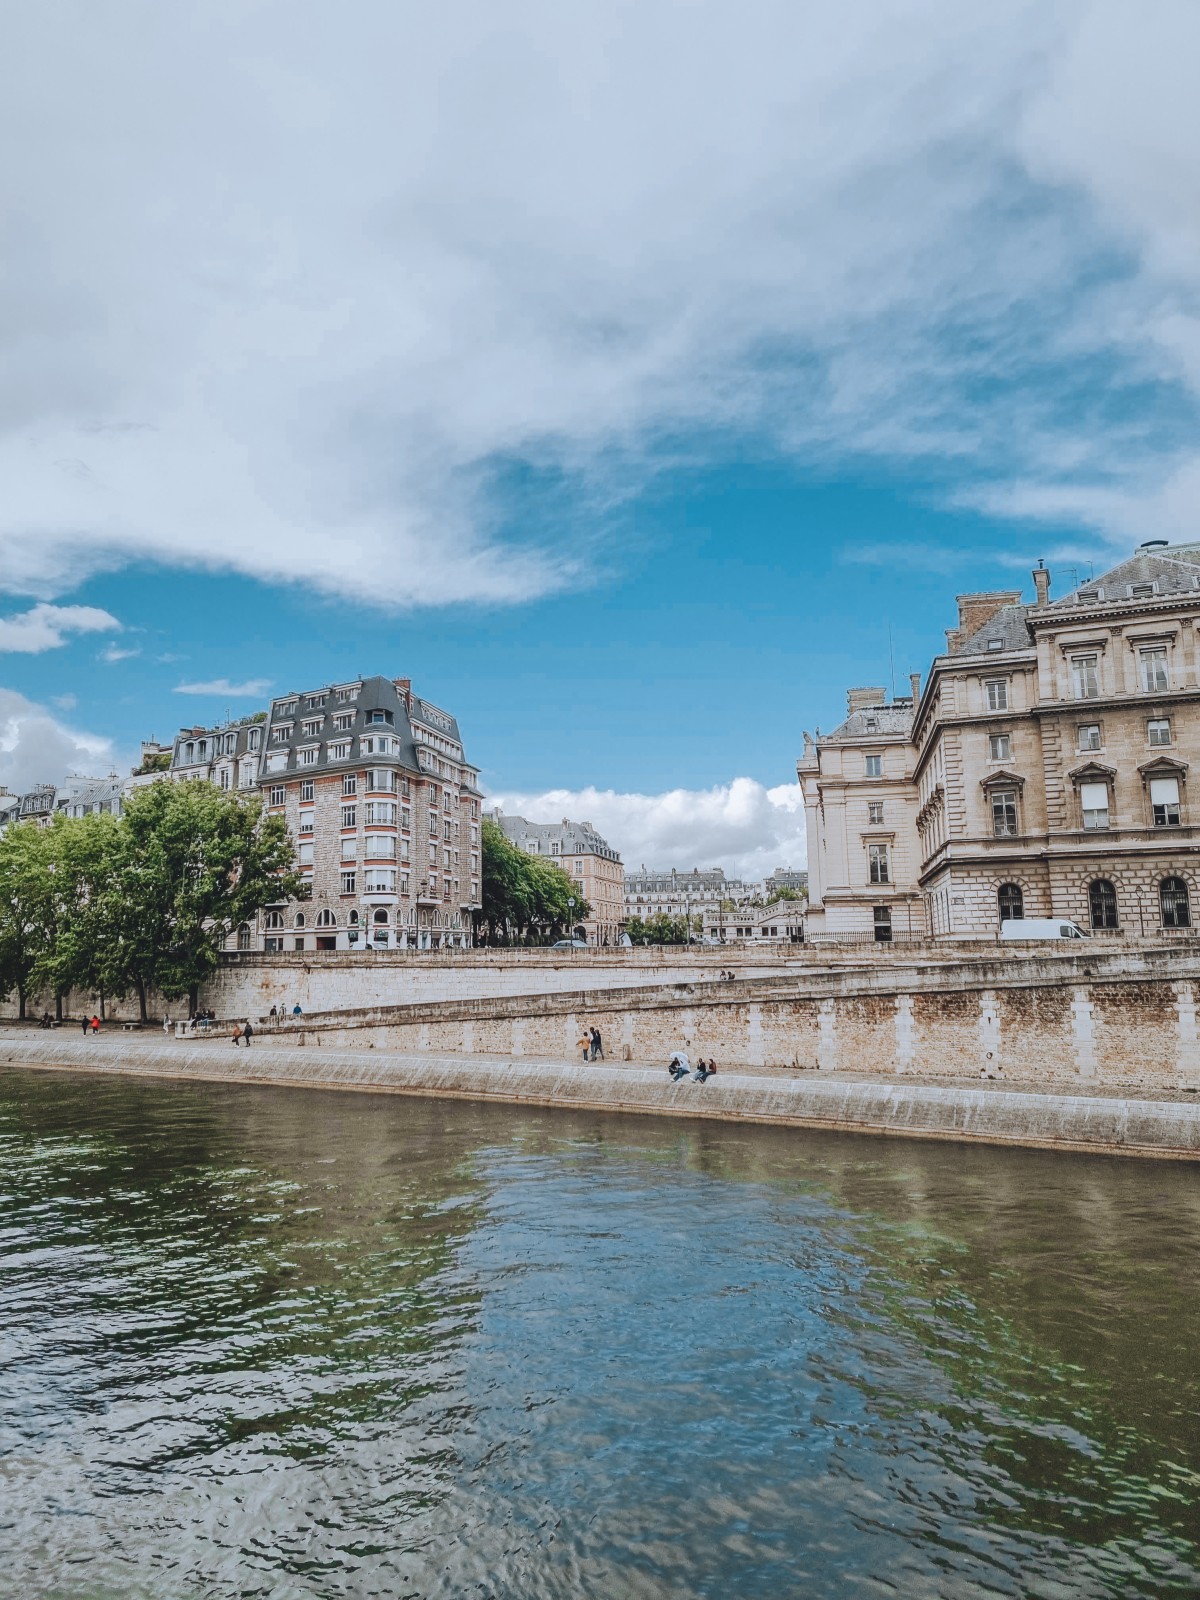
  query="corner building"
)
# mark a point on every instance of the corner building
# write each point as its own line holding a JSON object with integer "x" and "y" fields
{"x": 385, "y": 812}
{"x": 1047, "y": 768}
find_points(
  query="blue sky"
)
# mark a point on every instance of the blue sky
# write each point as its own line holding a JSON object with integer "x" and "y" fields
{"x": 623, "y": 386}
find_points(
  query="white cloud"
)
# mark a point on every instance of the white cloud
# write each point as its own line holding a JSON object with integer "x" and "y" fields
{"x": 251, "y": 689}
{"x": 424, "y": 250}
{"x": 115, "y": 652}
{"x": 36, "y": 748}
{"x": 741, "y": 826}
{"x": 45, "y": 627}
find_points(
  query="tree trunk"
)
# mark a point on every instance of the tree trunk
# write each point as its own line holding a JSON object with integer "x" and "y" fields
{"x": 194, "y": 999}
{"x": 20, "y": 1002}
{"x": 103, "y": 1018}
{"x": 141, "y": 994}
{"x": 57, "y": 1006}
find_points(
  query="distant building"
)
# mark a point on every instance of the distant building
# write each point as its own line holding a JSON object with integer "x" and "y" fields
{"x": 227, "y": 755}
{"x": 671, "y": 893}
{"x": 786, "y": 878}
{"x": 578, "y": 849}
{"x": 780, "y": 923}
{"x": 82, "y": 797}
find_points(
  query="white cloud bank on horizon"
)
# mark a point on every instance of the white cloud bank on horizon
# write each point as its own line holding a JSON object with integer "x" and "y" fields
{"x": 46, "y": 627}
{"x": 294, "y": 290}
{"x": 251, "y": 689}
{"x": 741, "y": 826}
{"x": 36, "y": 747}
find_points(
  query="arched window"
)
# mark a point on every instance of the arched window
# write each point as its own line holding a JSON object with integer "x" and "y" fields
{"x": 326, "y": 919}
{"x": 1011, "y": 901}
{"x": 381, "y": 915}
{"x": 299, "y": 921}
{"x": 1173, "y": 898}
{"x": 274, "y": 919}
{"x": 243, "y": 936}
{"x": 352, "y": 919}
{"x": 1102, "y": 902}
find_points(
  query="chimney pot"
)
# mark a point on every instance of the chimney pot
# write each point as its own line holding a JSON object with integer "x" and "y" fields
{"x": 1041, "y": 582}
{"x": 914, "y": 679}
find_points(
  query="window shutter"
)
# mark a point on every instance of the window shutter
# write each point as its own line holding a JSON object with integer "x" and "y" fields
{"x": 1164, "y": 791}
{"x": 1094, "y": 796}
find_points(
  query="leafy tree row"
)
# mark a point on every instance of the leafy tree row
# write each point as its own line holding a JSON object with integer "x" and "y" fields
{"x": 661, "y": 929}
{"x": 525, "y": 898}
{"x": 117, "y": 906}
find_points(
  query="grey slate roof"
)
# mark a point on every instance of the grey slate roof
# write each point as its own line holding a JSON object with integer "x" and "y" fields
{"x": 1008, "y": 626}
{"x": 372, "y": 694}
{"x": 874, "y": 722}
{"x": 1172, "y": 569}
{"x": 573, "y": 838}
{"x": 79, "y": 796}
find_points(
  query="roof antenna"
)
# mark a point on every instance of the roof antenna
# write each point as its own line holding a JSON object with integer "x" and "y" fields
{"x": 892, "y": 659}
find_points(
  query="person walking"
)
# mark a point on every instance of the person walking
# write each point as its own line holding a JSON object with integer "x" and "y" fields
{"x": 86, "y": 1026}
{"x": 237, "y": 1033}
{"x": 95, "y": 1024}
{"x": 597, "y": 1045}
{"x": 166, "y": 1024}
{"x": 247, "y": 1033}
{"x": 584, "y": 1044}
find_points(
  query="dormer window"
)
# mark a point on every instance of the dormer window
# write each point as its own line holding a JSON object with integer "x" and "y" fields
{"x": 995, "y": 644}
{"x": 1142, "y": 591}
{"x": 379, "y": 718}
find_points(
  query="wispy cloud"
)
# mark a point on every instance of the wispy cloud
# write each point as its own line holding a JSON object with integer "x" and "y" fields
{"x": 741, "y": 825}
{"x": 251, "y": 689}
{"x": 956, "y": 236}
{"x": 46, "y": 627}
{"x": 115, "y": 652}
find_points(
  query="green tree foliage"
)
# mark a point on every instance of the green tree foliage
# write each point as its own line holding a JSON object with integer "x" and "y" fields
{"x": 144, "y": 902}
{"x": 784, "y": 894}
{"x": 525, "y": 898}
{"x": 660, "y": 929}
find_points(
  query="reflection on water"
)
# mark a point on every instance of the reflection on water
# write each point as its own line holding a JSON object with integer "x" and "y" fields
{"x": 282, "y": 1343}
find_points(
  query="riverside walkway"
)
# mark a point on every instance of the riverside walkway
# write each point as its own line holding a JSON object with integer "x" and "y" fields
{"x": 1093, "y": 1119}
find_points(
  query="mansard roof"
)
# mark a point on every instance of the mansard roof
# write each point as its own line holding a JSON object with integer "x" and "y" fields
{"x": 1008, "y": 626}
{"x": 874, "y": 722}
{"x": 1171, "y": 569}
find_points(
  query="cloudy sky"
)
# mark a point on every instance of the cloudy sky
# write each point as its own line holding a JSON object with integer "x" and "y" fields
{"x": 633, "y": 376}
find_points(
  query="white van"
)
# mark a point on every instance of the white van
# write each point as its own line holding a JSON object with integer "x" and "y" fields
{"x": 1040, "y": 928}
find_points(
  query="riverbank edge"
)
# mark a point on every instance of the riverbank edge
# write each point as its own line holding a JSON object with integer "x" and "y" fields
{"x": 995, "y": 1115}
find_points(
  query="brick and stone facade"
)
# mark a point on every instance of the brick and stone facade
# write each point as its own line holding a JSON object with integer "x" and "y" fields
{"x": 579, "y": 850}
{"x": 385, "y": 812}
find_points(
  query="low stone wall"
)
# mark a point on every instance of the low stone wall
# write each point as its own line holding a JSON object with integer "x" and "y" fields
{"x": 1096, "y": 1122}
{"x": 1126, "y": 1018}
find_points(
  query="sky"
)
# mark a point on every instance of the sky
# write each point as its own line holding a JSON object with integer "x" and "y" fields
{"x": 633, "y": 377}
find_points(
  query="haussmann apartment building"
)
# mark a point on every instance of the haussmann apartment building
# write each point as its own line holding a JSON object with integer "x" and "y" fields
{"x": 1042, "y": 770}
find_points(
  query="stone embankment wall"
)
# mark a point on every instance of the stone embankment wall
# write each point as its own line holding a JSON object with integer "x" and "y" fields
{"x": 1127, "y": 1018}
{"x": 1111, "y": 1124}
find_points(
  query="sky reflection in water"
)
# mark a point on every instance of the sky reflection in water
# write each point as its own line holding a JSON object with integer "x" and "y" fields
{"x": 283, "y": 1343}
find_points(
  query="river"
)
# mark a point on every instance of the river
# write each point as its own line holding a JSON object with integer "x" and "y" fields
{"x": 285, "y": 1343}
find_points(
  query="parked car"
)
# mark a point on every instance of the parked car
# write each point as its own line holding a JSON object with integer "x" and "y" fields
{"x": 570, "y": 944}
{"x": 1040, "y": 928}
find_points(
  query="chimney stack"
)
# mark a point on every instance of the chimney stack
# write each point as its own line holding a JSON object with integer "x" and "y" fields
{"x": 1041, "y": 582}
{"x": 865, "y": 699}
{"x": 914, "y": 679}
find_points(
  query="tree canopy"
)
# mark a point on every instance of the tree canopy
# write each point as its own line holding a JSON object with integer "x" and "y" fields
{"x": 142, "y": 902}
{"x": 525, "y": 897}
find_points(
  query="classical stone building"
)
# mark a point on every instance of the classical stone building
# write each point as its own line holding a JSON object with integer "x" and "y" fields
{"x": 385, "y": 811}
{"x": 1044, "y": 770}
{"x": 227, "y": 756}
{"x": 578, "y": 849}
{"x": 671, "y": 893}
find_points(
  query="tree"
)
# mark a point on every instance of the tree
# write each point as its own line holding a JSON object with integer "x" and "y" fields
{"x": 784, "y": 893}
{"x": 27, "y": 906}
{"x": 524, "y": 895}
{"x": 659, "y": 929}
{"x": 83, "y": 854}
{"x": 195, "y": 863}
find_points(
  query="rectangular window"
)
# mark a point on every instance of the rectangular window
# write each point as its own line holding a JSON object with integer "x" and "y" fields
{"x": 1093, "y": 802}
{"x": 874, "y": 766}
{"x": 306, "y": 822}
{"x": 343, "y": 721}
{"x": 381, "y": 811}
{"x": 278, "y": 794}
{"x": 311, "y": 730}
{"x": 1154, "y": 670}
{"x": 433, "y": 825}
{"x": 381, "y": 780}
{"x": 1164, "y": 802}
{"x": 314, "y": 701}
{"x": 877, "y": 857}
{"x": 1088, "y": 736}
{"x": 381, "y": 847}
{"x": 433, "y": 855}
{"x": 405, "y": 818}
{"x": 349, "y": 849}
{"x": 350, "y": 783}
{"x": 379, "y": 880}
{"x": 224, "y": 777}
{"x": 1004, "y": 813}
{"x": 404, "y": 884}
{"x": 252, "y": 739}
{"x": 349, "y": 816}
{"x": 349, "y": 882}
{"x": 306, "y": 789}
{"x": 340, "y": 751}
{"x": 1158, "y": 730}
{"x": 345, "y": 695}
{"x": 997, "y": 694}
{"x": 1086, "y": 676}
{"x": 999, "y": 747}
{"x": 281, "y": 735}
{"x": 308, "y": 758}
{"x": 305, "y": 853}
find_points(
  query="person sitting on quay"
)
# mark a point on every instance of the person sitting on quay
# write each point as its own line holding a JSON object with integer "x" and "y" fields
{"x": 680, "y": 1067}
{"x": 704, "y": 1070}
{"x": 296, "y": 1011}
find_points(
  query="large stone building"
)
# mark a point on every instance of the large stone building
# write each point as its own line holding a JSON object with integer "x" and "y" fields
{"x": 227, "y": 755}
{"x": 385, "y": 811}
{"x": 578, "y": 849}
{"x": 1042, "y": 772}
{"x": 671, "y": 893}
